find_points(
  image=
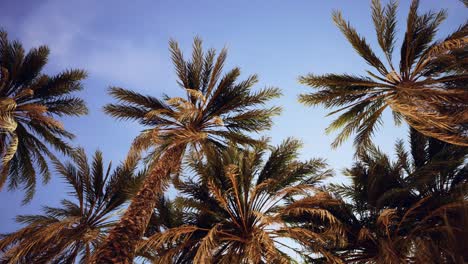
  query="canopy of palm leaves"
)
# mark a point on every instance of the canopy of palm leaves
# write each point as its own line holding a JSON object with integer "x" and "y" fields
{"x": 29, "y": 104}
{"x": 234, "y": 210}
{"x": 215, "y": 109}
{"x": 428, "y": 91}
{"x": 72, "y": 231}
{"x": 413, "y": 210}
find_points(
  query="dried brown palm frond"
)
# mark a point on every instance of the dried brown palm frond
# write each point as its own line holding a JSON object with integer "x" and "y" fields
{"x": 72, "y": 231}
{"x": 427, "y": 91}
{"x": 30, "y": 103}
{"x": 237, "y": 209}
{"x": 207, "y": 245}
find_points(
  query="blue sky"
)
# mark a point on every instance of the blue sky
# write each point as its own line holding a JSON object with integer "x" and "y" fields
{"x": 126, "y": 45}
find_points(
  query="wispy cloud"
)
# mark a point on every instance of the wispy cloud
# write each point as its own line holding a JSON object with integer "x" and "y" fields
{"x": 58, "y": 24}
{"x": 68, "y": 28}
{"x": 125, "y": 62}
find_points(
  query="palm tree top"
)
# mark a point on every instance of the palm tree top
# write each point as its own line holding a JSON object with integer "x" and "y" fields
{"x": 30, "y": 103}
{"x": 216, "y": 108}
{"x": 427, "y": 90}
{"x": 392, "y": 205}
{"x": 75, "y": 229}
{"x": 235, "y": 210}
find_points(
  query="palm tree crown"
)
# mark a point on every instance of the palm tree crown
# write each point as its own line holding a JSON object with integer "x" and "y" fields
{"x": 234, "y": 211}
{"x": 29, "y": 104}
{"x": 216, "y": 109}
{"x": 428, "y": 91}
{"x": 74, "y": 230}
{"x": 412, "y": 210}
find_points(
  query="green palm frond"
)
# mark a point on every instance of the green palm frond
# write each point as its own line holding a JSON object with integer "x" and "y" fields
{"x": 215, "y": 105}
{"x": 385, "y": 26}
{"x": 359, "y": 43}
{"x": 30, "y": 102}
{"x": 427, "y": 91}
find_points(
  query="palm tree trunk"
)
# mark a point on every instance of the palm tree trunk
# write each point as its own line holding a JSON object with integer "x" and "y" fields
{"x": 120, "y": 245}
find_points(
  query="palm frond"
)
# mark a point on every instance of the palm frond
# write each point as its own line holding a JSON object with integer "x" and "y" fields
{"x": 359, "y": 43}
{"x": 30, "y": 103}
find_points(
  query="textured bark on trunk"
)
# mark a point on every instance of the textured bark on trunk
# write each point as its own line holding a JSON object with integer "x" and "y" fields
{"x": 120, "y": 245}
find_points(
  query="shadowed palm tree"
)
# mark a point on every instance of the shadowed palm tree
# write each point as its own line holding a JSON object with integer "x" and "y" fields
{"x": 428, "y": 91}
{"x": 413, "y": 210}
{"x": 73, "y": 230}
{"x": 167, "y": 214}
{"x": 30, "y": 102}
{"x": 234, "y": 210}
{"x": 215, "y": 109}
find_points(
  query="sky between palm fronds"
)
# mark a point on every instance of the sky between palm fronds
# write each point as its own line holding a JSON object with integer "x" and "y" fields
{"x": 127, "y": 46}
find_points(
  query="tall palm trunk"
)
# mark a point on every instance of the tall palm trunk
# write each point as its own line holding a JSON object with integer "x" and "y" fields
{"x": 120, "y": 245}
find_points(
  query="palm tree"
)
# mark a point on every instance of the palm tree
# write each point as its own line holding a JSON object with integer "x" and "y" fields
{"x": 216, "y": 109}
{"x": 428, "y": 91}
{"x": 413, "y": 210}
{"x": 167, "y": 214}
{"x": 74, "y": 230}
{"x": 30, "y": 102}
{"x": 234, "y": 210}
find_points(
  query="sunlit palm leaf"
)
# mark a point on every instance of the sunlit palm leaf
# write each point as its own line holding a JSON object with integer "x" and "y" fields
{"x": 427, "y": 91}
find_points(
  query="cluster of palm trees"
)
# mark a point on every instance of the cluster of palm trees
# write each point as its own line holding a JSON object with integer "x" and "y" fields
{"x": 241, "y": 200}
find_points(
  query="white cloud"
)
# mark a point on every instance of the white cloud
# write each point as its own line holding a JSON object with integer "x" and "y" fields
{"x": 125, "y": 63}
{"x": 67, "y": 28}
{"x": 55, "y": 23}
